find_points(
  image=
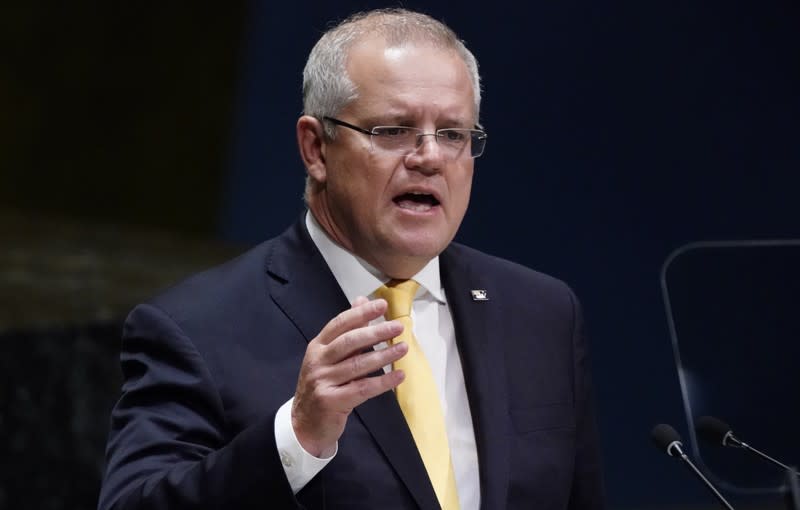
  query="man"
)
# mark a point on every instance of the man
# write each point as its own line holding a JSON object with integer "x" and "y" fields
{"x": 274, "y": 381}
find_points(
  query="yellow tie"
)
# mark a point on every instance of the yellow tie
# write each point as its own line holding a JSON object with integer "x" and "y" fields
{"x": 419, "y": 397}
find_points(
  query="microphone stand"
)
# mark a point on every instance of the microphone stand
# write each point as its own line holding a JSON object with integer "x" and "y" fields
{"x": 792, "y": 489}
{"x": 676, "y": 445}
{"x": 792, "y": 486}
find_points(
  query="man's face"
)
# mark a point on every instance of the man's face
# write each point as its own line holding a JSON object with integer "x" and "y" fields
{"x": 389, "y": 207}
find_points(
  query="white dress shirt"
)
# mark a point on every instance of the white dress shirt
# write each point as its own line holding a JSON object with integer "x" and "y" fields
{"x": 433, "y": 328}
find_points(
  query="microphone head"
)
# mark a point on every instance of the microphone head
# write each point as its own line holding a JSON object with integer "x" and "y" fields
{"x": 712, "y": 429}
{"x": 665, "y": 437}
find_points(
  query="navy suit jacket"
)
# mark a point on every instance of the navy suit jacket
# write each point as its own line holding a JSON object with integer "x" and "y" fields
{"x": 207, "y": 364}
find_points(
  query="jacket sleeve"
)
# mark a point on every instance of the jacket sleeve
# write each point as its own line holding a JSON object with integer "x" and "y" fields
{"x": 587, "y": 487}
{"x": 169, "y": 444}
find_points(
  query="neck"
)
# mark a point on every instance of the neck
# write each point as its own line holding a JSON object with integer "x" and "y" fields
{"x": 395, "y": 267}
{"x": 400, "y": 269}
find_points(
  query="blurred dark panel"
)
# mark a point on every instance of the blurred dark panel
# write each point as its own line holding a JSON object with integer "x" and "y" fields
{"x": 118, "y": 110}
{"x": 57, "y": 388}
{"x": 57, "y": 273}
{"x": 114, "y": 129}
{"x": 734, "y": 309}
{"x": 65, "y": 288}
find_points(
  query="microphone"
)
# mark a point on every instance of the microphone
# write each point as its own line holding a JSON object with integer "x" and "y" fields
{"x": 667, "y": 439}
{"x": 717, "y": 431}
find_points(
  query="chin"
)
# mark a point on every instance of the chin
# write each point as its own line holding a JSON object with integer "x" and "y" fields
{"x": 421, "y": 247}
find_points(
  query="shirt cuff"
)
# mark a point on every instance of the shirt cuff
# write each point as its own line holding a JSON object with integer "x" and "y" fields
{"x": 299, "y": 465}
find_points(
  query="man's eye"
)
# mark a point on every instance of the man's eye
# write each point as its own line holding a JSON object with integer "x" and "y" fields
{"x": 454, "y": 136}
{"x": 395, "y": 131}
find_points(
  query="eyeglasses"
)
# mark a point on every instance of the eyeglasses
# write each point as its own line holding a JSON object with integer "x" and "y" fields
{"x": 404, "y": 139}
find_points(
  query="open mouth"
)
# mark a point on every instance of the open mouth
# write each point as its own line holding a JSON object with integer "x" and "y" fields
{"x": 414, "y": 201}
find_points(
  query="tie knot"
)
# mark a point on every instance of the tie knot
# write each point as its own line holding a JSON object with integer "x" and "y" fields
{"x": 399, "y": 294}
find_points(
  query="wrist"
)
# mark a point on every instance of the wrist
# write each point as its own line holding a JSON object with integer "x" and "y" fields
{"x": 311, "y": 445}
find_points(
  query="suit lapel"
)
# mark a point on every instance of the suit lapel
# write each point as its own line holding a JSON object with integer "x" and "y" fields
{"x": 303, "y": 286}
{"x": 477, "y": 323}
{"x": 307, "y": 292}
{"x": 384, "y": 419}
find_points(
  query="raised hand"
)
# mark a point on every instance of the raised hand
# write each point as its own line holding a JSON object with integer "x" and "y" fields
{"x": 334, "y": 375}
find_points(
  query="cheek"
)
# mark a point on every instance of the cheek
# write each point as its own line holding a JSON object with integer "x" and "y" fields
{"x": 460, "y": 189}
{"x": 349, "y": 180}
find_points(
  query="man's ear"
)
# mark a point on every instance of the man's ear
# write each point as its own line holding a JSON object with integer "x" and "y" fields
{"x": 312, "y": 145}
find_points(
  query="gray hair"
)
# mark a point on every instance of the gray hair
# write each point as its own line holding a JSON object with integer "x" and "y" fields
{"x": 327, "y": 88}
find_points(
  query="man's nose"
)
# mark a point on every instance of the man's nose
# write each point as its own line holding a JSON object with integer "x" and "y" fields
{"x": 427, "y": 155}
{"x": 421, "y": 139}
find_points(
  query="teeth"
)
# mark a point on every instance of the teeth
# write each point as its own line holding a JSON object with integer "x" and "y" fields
{"x": 414, "y": 206}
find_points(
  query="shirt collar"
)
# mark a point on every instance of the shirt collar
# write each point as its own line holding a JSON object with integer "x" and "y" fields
{"x": 357, "y": 277}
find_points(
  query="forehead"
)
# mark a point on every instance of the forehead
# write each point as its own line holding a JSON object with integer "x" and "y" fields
{"x": 413, "y": 79}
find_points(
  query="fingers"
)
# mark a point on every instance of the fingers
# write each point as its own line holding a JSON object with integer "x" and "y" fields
{"x": 360, "y": 365}
{"x": 361, "y": 313}
{"x": 334, "y": 374}
{"x": 357, "y": 340}
{"x": 360, "y": 390}
{"x": 357, "y": 389}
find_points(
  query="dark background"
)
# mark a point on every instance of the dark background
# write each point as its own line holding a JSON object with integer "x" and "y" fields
{"x": 141, "y": 142}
